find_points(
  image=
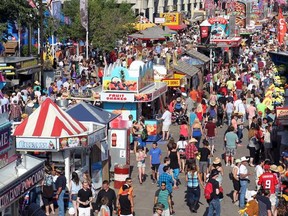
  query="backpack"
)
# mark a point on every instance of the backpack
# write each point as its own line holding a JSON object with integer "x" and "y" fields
{"x": 144, "y": 134}
{"x": 49, "y": 180}
{"x": 178, "y": 106}
{"x": 220, "y": 109}
{"x": 208, "y": 190}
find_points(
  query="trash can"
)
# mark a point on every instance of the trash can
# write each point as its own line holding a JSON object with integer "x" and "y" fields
{"x": 121, "y": 172}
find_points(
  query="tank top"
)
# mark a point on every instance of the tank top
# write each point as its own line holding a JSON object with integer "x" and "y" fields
{"x": 184, "y": 130}
{"x": 192, "y": 180}
{"x": 173, "y": 160}
{"x": 75, "y": 188}
{"x": 125, "y": 204}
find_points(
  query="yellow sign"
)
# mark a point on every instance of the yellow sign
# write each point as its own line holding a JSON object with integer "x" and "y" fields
{"x": 7, "y": 70}
{"x": 178, "y": 76}
{"x": 172, "y": 18}
{"x": 30, "y": 63}
{"x": 172, "y": 82}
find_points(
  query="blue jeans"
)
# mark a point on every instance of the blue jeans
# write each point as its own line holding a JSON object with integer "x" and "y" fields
{"x": 243, "y": 189}
{"x": 35, "y": 195}
{"x": 198, "y": 138}
{"x": 240, "y": 133}
{"x": 176, "y": 173}
{"x": 60, "y": 203}
{"x": 193, "y": 196}
{"x": 214, "y": 206}
{"x": 229, "y": 115}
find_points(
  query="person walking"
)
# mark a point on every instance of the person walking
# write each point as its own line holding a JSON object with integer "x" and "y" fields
{"x": 174, "y": 156}
{"x": 214, "y": 201}
{"x": 104, "y": 209}
{"x": 74, "y": 187}
{"x": 15, "y": 112}
{"x": 84, "y": 199}
{"x": 229, "y": 108}
{"x": 162, "y": 196}
{"x": 193, "y": 179}
{"x": 60, "y": 185}
{"x": 140, "y": 158}
{"x": 205, "y": 155}
{"x": 191, "y": 150}
{"x": 231, "y": 139}
{"x": 124, "y": 202}
{"x": 196, "y": 131}
{"x": 181, "y": 146}
{"x": 166, "y": 117}
{"x": 106, "y": 191}
{"x": 211, "y": 132}
{"x": 244, "y": 181}
{"x": 236, "y": 181}
{"x": 155, "y": 160}
{"x": 158, "y": 209}
{"x": 47, "y": 191}
{"x": 128, "y": 181}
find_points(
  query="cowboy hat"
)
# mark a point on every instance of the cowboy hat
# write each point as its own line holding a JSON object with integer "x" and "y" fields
{"x": 159, "y": 206}
{"x": 244, "y": 159}
{"x": 193, "y": 140}
{"x": 281, "y": 169}
{"x": 274, "y": 168}
{"x": 37, "y": 82}
{"x": 30, "y": 104}
{"x": 212, "y": 103}
{"x": 217, "y": 160}
{"x": 237, "y": 161}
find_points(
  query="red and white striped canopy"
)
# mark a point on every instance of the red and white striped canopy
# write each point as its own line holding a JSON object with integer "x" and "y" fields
{"x": 49, "y": 121}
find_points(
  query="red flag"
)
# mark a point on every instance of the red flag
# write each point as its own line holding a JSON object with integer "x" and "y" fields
{"x": 282, "y": 27}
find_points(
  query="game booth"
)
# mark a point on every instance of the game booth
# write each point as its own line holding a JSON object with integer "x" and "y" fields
{"x": 133, "y": 92}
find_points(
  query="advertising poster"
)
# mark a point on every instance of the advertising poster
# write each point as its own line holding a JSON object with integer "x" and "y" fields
{"x": 32, "y": 144}
{"x": 154, "y": 127}
{"x": 120, "y": 80}
{"x": 96, "y": 174}
{"x": 146, "y": 75}
{"x": 240, "y": 11}
{"x": 172, "y": 18}
{"x": 125, "y": 109}
{"x": 117, "y": 138}
{"x": 219, "y": 24}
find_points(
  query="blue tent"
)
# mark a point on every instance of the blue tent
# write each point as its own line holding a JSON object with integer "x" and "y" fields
{"x": 86, "y": 112}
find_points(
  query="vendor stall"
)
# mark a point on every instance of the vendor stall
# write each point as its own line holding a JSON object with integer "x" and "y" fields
{"x": 64, "y": 140}
{"x": 18, "y": 173}
{"x": 133, "y": 92}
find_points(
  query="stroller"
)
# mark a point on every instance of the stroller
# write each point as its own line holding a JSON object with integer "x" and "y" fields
{"x": 178, "y": 117}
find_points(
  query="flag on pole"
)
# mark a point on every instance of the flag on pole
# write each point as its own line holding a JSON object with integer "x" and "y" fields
{"x": 282, "y": 28}
{"x": 84, "y": 13}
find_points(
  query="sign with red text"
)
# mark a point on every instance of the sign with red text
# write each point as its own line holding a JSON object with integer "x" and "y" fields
{"x": 5, "y": 138}
{"x": 117, "y": 97}
{"x": 282, "y": 115}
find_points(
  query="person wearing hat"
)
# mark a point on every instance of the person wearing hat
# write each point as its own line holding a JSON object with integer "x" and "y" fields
{"x": 252, "y": 208}
{"x": 244, "y": 180}
{"x": 214, "y": 202}
{"x": 191, "y": 150}
{"x": 158, "y": 209}
{"x": 60, "y": 185}
{"x": 268, "y": 181}
{"x": 218, "y": 166}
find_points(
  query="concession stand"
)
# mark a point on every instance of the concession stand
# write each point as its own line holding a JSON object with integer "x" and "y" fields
{"x": 18, "y": 173}
{"x": 133, "y": 92}
{"x": 54, "y": 134}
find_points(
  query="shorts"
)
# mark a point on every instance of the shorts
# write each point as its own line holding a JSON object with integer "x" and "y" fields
{"x": 74, "y": 197}
{"x": 211, "y": 140}
{"x": 236, "y": 185}
{"x": 203, "y": 165}
{"x": 141, "y": 164}
{"x": 165, "y": 127}
{"x": 155, "y": 167}
{"x": 230, "y": 152}
{"x": 273, "y": 199}
{"x": 47, "y": 201}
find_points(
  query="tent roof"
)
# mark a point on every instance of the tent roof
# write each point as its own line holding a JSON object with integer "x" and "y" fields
{"x": 49, "y": 120}
{"x": 195, "y": 54}
{"x": 86, "y": 112}
{"x": 185, "y": 68}
{"x": 155, "y": 32}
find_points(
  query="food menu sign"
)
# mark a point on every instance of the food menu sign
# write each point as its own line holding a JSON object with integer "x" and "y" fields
{"x": 282, "y": 116}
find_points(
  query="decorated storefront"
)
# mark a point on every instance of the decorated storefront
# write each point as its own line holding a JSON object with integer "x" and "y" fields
{"x": 51, "y": 132}
{"x": 133, "y": 92}
{"x": 18, "y": 173}
{"x": 173, "y": 20}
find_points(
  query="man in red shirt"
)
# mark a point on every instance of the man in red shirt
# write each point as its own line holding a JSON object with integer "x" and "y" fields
{"x": 191, "y": 150}
{"x": 268, "y": 181}
{"x": 210, "y": 132}
{"x": 238, "y": 85}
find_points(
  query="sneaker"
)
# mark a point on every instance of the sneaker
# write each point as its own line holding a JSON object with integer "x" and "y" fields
{"x": 232, "y": 165}
{"x": 227, "y": 164}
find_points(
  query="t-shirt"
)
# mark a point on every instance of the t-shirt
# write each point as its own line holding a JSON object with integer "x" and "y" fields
{"x": 84, "y": 195}
{"x": 251, "y": 112}
{"x": 163, "y": 197}
{"x": 155, "y": 155}
{"x": 268, "y": 181}
{"x": 230, "y": 84}
{"x": 61, "y": 182}
{"x": 193, "y": 95}
{"x": 166, "y": 117}
{"x": 192, "y": 118}
{"x": 231, "y": 139}
{"x": 238, "y": 85}
{"x": 264, "y": 205}
{"x": 261, "y": 107}
{"x": 229, "y": 107}
{"x": 243, "y": 170}
{"x": 204, "y": 154}
{"x": 210, "y": 126}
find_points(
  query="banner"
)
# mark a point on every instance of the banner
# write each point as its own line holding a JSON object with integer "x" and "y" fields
{"x": 84, "y": 13}
{"x": 282, "y": 28}
{"x": 57, "y": 9}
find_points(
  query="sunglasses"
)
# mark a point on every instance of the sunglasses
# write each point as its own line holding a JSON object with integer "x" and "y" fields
{"x": 163, "y": 185}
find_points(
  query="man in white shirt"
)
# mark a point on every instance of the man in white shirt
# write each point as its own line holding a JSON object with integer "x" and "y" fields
{"x": 166, "y": 117}
{"x": 244, "y": 180}
{"x": 258, "y": 172}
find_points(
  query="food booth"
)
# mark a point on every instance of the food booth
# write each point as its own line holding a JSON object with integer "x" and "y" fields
{"x": 18, "y": 173}
{"x": 52, "y": 133}
{"x": 173, "y": 20}
{"x": 133, "y": 92}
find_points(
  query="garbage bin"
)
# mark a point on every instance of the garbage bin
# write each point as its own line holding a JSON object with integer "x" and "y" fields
{"x": 121, "y": 172}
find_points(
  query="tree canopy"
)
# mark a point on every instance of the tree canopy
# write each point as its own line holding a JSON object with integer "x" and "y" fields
{"x": 108, "y": 21}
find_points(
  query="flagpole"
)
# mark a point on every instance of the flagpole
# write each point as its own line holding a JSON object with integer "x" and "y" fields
{"x": 87, "y": 44}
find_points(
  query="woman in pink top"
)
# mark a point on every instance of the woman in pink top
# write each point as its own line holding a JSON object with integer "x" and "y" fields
{"x": 251, "y": 112}
{"x": 184, "y": 129}
{"x": 234, "y": 121}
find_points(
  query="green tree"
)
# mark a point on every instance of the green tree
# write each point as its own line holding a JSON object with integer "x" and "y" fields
{"x": 108, "y": 22}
